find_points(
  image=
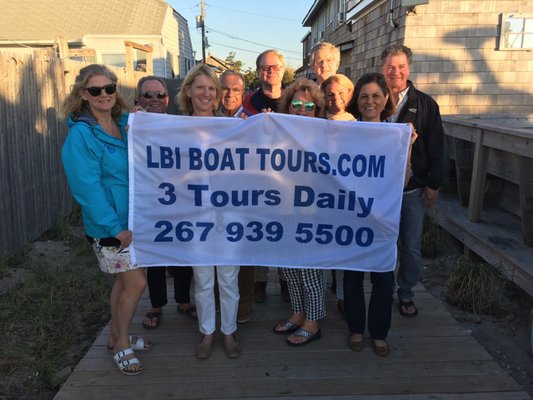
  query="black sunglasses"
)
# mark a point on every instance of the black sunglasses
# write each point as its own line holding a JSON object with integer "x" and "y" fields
{"x": 95, "y": 91}
{"x": 149, "y": 95}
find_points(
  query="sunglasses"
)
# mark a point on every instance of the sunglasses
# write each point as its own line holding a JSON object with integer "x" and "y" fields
{"x": 297, "y": 104}
{"x": 266, "y": 68}
{"x": 149, "y": 95}
{"x": 96, "y": 90}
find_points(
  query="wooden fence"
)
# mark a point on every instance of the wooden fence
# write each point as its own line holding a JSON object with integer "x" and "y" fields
{"x": 33, "y": 190}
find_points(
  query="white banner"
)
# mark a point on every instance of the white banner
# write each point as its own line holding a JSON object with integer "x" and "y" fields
{"x": 273, "y": 190}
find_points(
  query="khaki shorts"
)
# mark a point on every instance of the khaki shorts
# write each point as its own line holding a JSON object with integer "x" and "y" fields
{"x": 112, "y": 260}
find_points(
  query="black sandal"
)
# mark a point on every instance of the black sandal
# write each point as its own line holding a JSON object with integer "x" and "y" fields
{"x": 405, "y": 305}
{"x": 151, "y": 316}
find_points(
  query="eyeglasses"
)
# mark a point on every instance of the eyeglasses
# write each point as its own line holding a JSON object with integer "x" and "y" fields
{"x": 95, "y": 91}
{"x": 297, "y": 104}
{"x": 149, "y": 95}
{"x": 266, "y": 68}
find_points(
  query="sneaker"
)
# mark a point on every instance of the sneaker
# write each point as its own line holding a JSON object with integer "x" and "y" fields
{"x": 260, "y": 292}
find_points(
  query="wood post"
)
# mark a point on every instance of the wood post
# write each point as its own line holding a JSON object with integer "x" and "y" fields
{"x": 526, "y": 198}
{"x": 479, "y": 176}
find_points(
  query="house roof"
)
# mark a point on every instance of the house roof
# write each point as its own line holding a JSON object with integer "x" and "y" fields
{"x": 46, "y": 20}
{"x": 217, "y": 63}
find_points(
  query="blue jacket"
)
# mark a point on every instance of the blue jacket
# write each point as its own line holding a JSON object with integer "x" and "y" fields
{"x": 96, "y": 165}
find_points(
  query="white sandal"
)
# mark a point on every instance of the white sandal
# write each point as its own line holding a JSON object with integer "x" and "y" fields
{"x": 123, "y": 364}
{"x": 139, "y": 344}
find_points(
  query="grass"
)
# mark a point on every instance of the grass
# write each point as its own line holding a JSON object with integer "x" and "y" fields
{"x": 475, "y": 286}
{"x": 42, "y": 319}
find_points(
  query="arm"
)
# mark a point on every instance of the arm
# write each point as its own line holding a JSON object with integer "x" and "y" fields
{"x": 81, "y": 162}
{"x": 408, "y": 169}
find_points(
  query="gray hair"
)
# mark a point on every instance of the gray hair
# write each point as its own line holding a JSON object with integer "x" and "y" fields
{"x": 396, "y": 50}
{"x": 325, "y": 45}
{"x": 150, "y": 78}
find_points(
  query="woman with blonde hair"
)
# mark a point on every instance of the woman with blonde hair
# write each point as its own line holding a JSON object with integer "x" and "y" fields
{"x": 200, "y": 92}
{"x": 199, "y": 96}
{"x": 338, "y": 90}
{"x": 95, "y": 159}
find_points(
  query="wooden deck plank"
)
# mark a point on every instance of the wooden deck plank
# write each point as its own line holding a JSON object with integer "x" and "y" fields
{"x": 431, "y": 357}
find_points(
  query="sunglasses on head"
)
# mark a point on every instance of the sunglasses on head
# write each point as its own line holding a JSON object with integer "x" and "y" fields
{"x": 95, "y": 91}
{"x": 297, "y": 104}
{"x": 149, "y": 95}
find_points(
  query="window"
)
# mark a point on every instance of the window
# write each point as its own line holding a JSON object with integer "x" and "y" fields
{"x": 116, "y": 60}
{"x": 516, "y": 32}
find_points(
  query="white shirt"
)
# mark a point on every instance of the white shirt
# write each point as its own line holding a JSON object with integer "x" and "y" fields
{"x": 402, "y": 100}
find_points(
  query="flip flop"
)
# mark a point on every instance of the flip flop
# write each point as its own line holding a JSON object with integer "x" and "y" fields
{"x": 189, "y": 312}
{"x": 311, "y": 337}
{"x": 291, "y": 327}
{"x": 151, "y": 315}
{"x": 406, "y": 304}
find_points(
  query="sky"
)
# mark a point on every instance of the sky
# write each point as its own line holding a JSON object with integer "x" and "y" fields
{"x": 248, "y": 27}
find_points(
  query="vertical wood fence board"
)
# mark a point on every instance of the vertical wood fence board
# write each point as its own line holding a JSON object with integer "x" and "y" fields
{"x": 34, "y": 194}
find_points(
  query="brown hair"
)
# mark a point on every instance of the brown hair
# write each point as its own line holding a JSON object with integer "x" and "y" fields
{"x": 307, "y": 86}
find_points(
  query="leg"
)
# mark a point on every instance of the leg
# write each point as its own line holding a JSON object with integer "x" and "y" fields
{"x": 261, "y": 279}
{"x": 132, "y": 283}
{"x": 354, "y": 301}
{"x": 411, "y": 225}
{"x": 182, "y": 290}
{"x": 380, "y": 307}
{"x": 314, "y": 303}
{"x": 296, "y": 294}
{"x": 204, "y": 279}
{"x": 228, "y": 278}
{"x": 182, "y": 284}
{"x": 157, "y": 288}
{"x": 229, "y": 297}
{"x": 246, "y": 294}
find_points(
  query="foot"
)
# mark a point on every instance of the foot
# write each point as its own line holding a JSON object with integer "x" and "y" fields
{"x": 298, "y": 339}
{"x": 203, "y": 349}
{"x": 381, "y": 347}
{"x": 244, "y": 314}
{"x": 355, "y": 342}
{"x": 152, "y": 319}
{"x": 302, "y": 337}
{"x": 290, "y": 325}
{"x": 340, "y": 306}
{"x": 260, "y": 292}
{"x": 127, "y": 363}
{"x": 188, "y": 309}
{"x": 407, "y": 308}
{"x": 231, "y": 346}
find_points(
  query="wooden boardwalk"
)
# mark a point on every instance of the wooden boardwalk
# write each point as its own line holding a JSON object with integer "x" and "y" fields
{"x": 432, "y": 357}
